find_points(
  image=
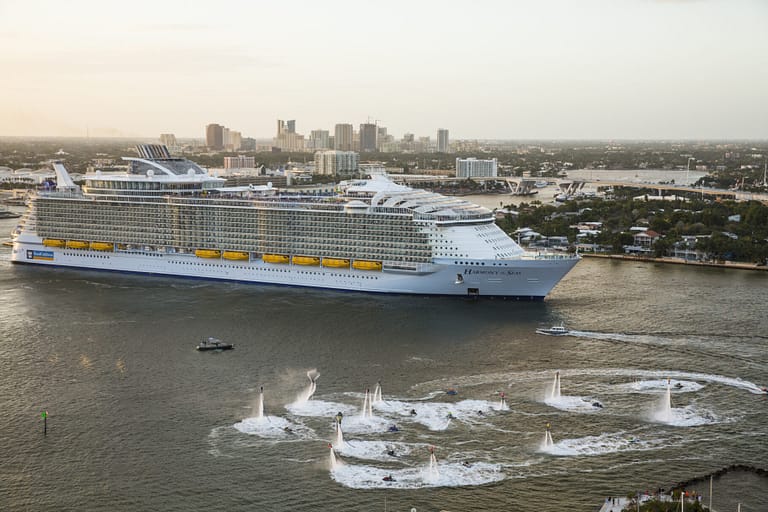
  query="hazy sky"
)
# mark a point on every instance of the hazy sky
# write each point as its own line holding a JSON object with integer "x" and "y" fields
{"x": 483, "y": 69}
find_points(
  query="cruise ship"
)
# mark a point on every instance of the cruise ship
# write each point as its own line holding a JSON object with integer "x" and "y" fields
{"x": 167, "y": 216}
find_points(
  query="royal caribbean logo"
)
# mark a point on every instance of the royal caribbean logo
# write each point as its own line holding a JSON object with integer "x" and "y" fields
{"x": 40, "y": 255}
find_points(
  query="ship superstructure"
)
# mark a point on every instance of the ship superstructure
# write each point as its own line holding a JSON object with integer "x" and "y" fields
{"x": 168, "y": 216}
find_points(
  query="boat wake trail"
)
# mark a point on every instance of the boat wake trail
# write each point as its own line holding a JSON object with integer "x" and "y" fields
{"x": 600, "y": 445}
{"x": 675, "y": 343}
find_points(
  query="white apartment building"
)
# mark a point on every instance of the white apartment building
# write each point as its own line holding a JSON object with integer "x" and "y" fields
{"x": 333, "y": 162}
{"x": 474, "y": 168}
{"x": 239, "y": 162}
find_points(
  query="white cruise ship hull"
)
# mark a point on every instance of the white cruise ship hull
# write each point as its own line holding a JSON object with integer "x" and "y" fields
{"x": 521, "y": 279}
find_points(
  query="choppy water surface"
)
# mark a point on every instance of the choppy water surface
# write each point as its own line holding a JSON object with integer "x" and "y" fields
{"x": 139, "y": 420}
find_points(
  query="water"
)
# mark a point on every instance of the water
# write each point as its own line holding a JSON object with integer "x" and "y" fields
{"x": 139, "y": 420}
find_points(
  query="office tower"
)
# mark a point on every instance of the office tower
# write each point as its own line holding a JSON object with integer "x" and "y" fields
{"x": 368, "y": 134}
{"x": 442, "y": 141}
{"x": 342, "y": 137}
{"x": 226, "y": 140}
{"x": 214, "y": 136}
{"x": 319, "y": 139}
{"x": 235, "y": 140}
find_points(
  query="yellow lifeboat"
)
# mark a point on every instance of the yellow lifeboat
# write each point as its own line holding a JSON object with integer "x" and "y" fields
{"x": 335, "y": 263}
{"x": 236, "y": 255}
{"x": 77, "y": 244}
{"x": 306, "y": 260}
{"x": 52, "y": 242}
{"x": 207, "y": 253}
{"x": 102, "y": 246}
{"x": 276, "y": 258}
{"x": 366, "y": 265}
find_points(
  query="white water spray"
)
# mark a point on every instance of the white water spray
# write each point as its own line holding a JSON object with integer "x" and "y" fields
{"x": 548, "y": 443}
{"x": 370, "y": 406}
{"x": 555, "y": 394}
{"x": 367, "y": 411}
{"x": 503, "y": 402}
{"x": 664, "y": 414}
{"x": 334, "y": 463}
{"x": 433, "y": 472}
{"x": 260, "y": 405}
{"x": 364, "y": 410}
{"x": 304, "y": 397}
{"x": 339, "y": 441}
{"x": 377, "y": 393}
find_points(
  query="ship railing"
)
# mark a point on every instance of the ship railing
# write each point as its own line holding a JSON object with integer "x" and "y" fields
{"x": 462, "y": 218}
{"x": 529, "y": 255}
{"x": 63, "y": 194}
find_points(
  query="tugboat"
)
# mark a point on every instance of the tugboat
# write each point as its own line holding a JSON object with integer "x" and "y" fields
{"x": 557, "y": 330}
{"x": 214, "y": 344}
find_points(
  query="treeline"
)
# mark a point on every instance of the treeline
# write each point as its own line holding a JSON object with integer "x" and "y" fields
{"x": 736, "y": 231}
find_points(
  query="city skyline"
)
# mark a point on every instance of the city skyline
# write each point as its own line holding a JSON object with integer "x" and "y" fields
{"x": 640, "y": 69}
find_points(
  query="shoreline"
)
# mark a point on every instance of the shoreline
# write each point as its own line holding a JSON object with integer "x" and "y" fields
{"x": 678, "y": 261}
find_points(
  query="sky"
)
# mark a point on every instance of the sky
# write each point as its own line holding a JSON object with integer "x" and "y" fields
{"x": 509, "y": 69}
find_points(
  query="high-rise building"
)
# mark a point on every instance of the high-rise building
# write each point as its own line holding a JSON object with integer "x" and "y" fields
{"x": 318, "y": 139}
{"x": 248, "y": 144}
{"x": 424, "y": 145}
{"x": 235, "y": 141}
{"x": 336, "y": 162}
{"x": 168, "y": 140}
{"x": 472, "y": 167}
{"x": 214, "y": 136}
{"x": 287, "y": 139}
{"x": 368, "y": 134}
{"x": 442, "y": 141}
{"x": 342, "y": 137}
{"x": 286, "y": 126}
{"x": 226, "y": 140}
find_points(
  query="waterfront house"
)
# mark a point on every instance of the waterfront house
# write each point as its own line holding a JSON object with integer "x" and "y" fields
{"x": 646, "y": 238}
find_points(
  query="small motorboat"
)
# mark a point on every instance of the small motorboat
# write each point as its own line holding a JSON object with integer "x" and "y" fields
{"x": 452, "y": 392}
{"x": 557, "y": 330}
{"x": 214, "y": 344}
